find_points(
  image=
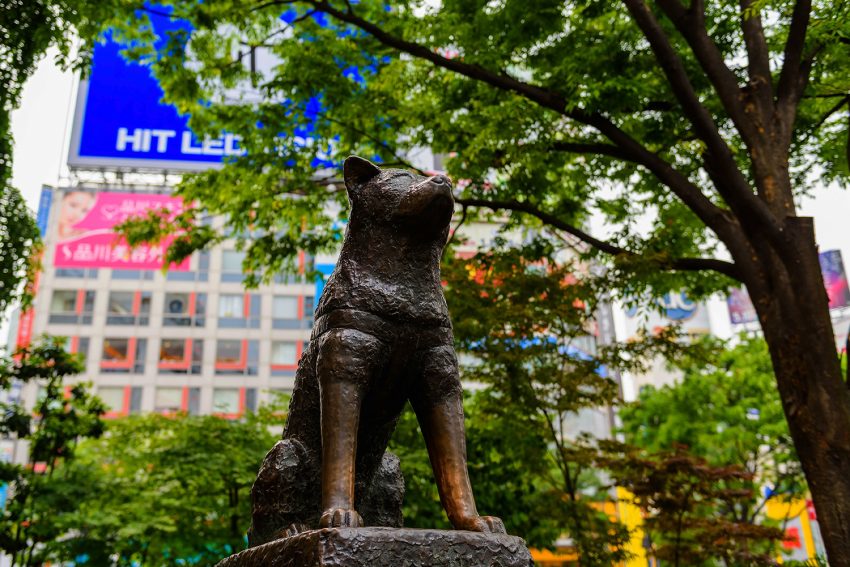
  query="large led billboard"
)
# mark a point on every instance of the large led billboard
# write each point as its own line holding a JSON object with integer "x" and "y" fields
{"x": 85, "y": 236}
{"x": 120, "y": 121}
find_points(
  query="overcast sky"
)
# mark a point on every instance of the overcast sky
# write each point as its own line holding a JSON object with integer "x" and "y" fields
{"x": 41, "y": 128}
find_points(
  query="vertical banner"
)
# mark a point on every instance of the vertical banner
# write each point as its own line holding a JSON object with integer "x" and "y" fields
{"x": 740, "y": 307}
{"x": 44, "y": 203}
{"x": 25, "y": 321}
{"x": 834, "y": 279}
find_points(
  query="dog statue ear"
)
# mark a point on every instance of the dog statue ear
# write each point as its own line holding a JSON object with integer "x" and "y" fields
{"x": 357, "y": 172}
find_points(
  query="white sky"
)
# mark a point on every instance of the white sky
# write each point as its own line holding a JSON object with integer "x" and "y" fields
{"x": 41, "y": 129}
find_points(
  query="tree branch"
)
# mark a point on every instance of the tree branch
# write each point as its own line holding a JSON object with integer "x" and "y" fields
{"x": 609, "y": 150}
{"x": 719, "y": 161}
{"x": 789, "y": 88}
{"x": 758, "y": 53}
{"x": 691, "y": 25}
{"x": 684, "y": 264}
{"x": 709, "y": 213}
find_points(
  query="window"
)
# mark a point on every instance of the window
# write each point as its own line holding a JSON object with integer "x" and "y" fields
{"x": 120, "y": 401}
{"x": 71, "y": 306}
{"x": 123, "y": 355}
{"x": 116, "y": 351}
{"x": 231, "y": 265}
{"x": 285, "y": 307}
{"x": 135, "y": 399}
{"x": 231, "y": 306}
{"x": 76, "y": 273}
{"x": 239, "y": 311}
{"x": 193, "y": 401}
{"x": 78, "y": 345}
{"x": 289, "y": 312}
{"x": 184, "y": 309}
{"x": 168, "y": 400}
{"x": 144, "y": 275}
{"x": 129, "y": 308}
{"x": 237, "y": 357}
{"x": 172, "y": 350}
{"x": 63, "y": 301}
{"x": 250, "y": 399}
{"x": 180, "y": 356}
{"x": 226, "y": 401}
{"x": 228, "y": 352}
{"x": 202, "y": 260}
{"x": 284, "y": 353}
{"x": 113, "y": 399}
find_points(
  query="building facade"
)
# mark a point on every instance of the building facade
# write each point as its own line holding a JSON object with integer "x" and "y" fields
{"x": 192, "y": 339}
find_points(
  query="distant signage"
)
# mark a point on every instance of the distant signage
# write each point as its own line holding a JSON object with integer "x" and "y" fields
{"x": 85, "y": 236}
{"x": 674, "y": 306}
{"x": 121, "y": 122}
{"x": 43, "y": 215}
{"x": 834, "y": 279}
{"x": 740, "y": 307}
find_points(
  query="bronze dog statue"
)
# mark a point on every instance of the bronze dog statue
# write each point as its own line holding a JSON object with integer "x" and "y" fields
{"x": 382, "y": 336}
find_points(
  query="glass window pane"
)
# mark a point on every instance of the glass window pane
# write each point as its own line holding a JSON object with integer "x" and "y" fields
{"x": 176, "y": 304}
{"x": 228, "y": 351}
{"x": 145, "y": 303}
{"x": 168, "y": 399}
{"x": 121, "y": 303}
{"x": 200, "y": 304}
{"x": 116, "y": 350}
{"x": 284, "y": 352}
{"x": 88, "y": 305}
{"x": 63, "y": 301}
{"x": 285, "y": 307}
{"x": 112, "y": 397}
{"x": 226, "y": 400}
{"x": 172, "y": 350}
{"x": 231, "y": 261}
{"x": 231, "y": 306}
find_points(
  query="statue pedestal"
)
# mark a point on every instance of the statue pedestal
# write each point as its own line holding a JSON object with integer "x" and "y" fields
{"x": 386, "y": 547}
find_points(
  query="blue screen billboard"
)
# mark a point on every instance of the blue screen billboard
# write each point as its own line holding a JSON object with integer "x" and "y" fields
{"x": 120, "y": 121}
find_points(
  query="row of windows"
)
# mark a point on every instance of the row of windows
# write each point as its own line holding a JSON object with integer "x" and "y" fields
{"x": 185, "y": 356}
{"x": 231, "y": 271}
{"x": 237, "y": 310}
{"x": 126, "y": 400}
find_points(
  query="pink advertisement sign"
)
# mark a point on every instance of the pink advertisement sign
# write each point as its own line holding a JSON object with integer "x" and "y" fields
{"x": 85, "y": 236}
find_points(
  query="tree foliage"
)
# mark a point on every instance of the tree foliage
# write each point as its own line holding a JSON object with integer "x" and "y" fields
{"x": 726, "y": 411}
{"x": 62, "y": 418}
{"x": 163, "y": 490}
{"x": 19, "y": 244}
{"x": 693, "y": 510}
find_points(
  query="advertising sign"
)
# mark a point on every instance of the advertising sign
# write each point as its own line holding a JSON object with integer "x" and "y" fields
{"x": 674, "y": 306}
{"x": 834, "y": 278}
{"x": 85, "y": 236}
{"x": 44, "y": 203}
{"x": 120, "y": 121}
{"x": 740, "y": 307}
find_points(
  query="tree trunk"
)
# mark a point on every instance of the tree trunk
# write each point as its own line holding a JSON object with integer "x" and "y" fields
{"x": 794, "y": 314}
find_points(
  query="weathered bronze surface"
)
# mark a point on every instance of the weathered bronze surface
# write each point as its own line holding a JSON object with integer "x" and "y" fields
{"x": 386, "y": 547}
{"x": 382, "y": 336}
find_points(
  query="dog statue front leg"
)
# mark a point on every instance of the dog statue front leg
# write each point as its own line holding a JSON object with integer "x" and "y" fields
{"x": 345, "y": 364}
{"x": 437, "y": 401}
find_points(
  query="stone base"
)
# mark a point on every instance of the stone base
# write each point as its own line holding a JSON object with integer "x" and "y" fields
{"x": 386, "y": 547}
